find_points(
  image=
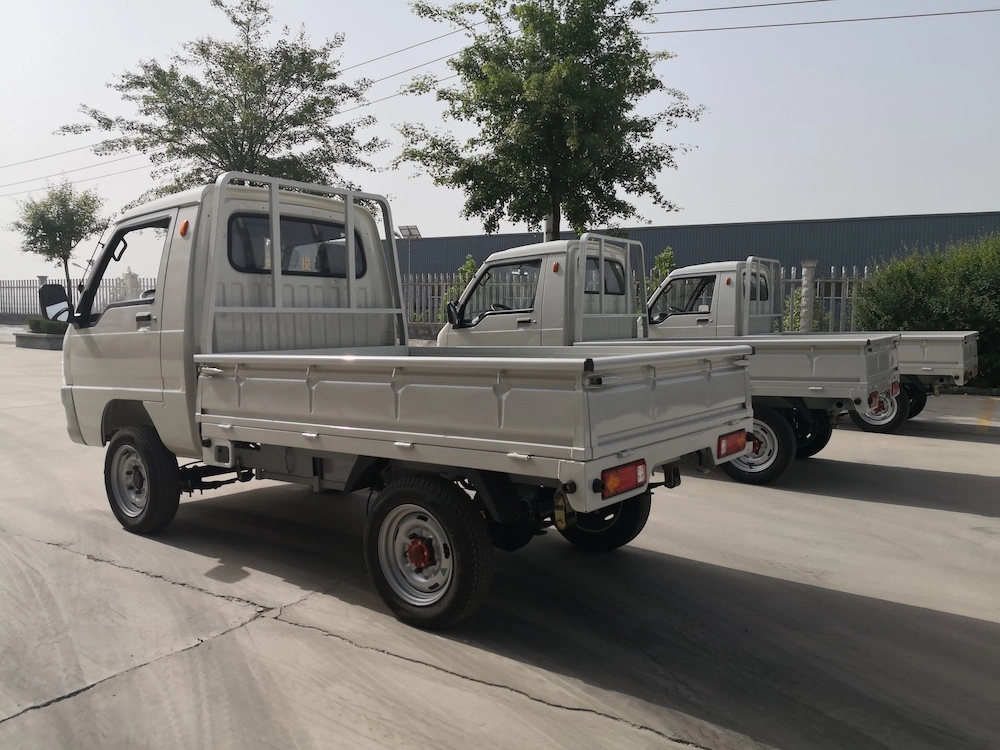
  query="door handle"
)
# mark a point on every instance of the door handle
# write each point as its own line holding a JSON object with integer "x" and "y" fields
{"x": 144, "y": 317}
{"x": 703, "y": 320}
{"x": 524, "y": 321}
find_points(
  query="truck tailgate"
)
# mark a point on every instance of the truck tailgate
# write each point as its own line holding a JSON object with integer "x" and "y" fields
{"x": 493, "y": 409}
{"x": 939, "y": 354}
{"x": 847, "y": 366}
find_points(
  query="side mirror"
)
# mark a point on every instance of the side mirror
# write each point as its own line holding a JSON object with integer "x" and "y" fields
{"x": 704, "y": 308}
{"x": 452, "y": 310}
{"x": 54, "y": 302}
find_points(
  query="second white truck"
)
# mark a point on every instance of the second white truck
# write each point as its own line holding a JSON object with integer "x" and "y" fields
{"x": 571, "y": 292}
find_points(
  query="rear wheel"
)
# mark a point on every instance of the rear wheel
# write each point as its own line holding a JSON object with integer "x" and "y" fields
{"x": 811, "y": 438}
{"x": 611, "y": 527}
{"x": 916, "y": 394}
{"x": 889, "y": 414}
{"x": 427, "y": 549}
{"x": 772, "y": 450}
{"x": 142, "y": 480}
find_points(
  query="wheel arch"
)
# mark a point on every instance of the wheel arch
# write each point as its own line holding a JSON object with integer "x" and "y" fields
{"x": 119, "y": 413}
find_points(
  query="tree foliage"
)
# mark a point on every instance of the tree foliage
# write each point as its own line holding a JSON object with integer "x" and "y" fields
{"x": 463, "y": 276}
{"x": 663, "y": 264}
{"x": 553, "y": 87}
{"x": 957, "y": 289}
{"x": 248, "y": 104}
{"x": 53, "y": 225}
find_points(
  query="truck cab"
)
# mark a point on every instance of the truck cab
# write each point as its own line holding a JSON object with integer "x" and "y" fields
{"x": 548, "y": 294}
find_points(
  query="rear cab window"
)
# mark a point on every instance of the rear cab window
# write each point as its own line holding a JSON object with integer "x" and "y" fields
{"x": 310, "y": 247}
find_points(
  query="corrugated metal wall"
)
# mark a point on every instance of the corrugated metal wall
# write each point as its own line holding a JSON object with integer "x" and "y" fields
{"x": 833, "y": 242}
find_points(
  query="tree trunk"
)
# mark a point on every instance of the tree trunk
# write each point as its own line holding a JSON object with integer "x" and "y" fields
{"x": 554, "y": 221}
{"x": 69, "y": 285}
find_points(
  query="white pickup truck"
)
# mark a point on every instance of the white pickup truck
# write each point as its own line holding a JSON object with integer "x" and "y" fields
{"x": 704, "y": 303}
{"x": 547, "y": 295}
{"x": 274, "y": 346}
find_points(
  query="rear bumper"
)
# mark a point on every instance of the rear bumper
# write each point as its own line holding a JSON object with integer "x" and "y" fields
{"x": 582, "y": 475}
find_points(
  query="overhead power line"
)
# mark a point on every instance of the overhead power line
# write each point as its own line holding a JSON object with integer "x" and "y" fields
{"x": 821, "y": 23}
{"x": 66, "y": 171}
{"x": 740, "y": 7}
{"x": 91, "y": 179}
{"x": 47, "y": 156}
{"x": 412, "y": 46}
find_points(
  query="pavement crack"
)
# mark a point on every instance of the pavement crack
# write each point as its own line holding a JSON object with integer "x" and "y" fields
{"x": 156, "y": 576}
{"x": 487, "y": 683}
{"x": 79, "y": 691}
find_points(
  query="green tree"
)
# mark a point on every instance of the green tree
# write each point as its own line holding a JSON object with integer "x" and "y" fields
{"x": 463, "y": 276}
{"x": 957, "y": 289}
{"x": 553, "y": 88}
{"x": 662, "y": 266}
{"x": 53, "y": 225}
{"x": 248, "y": 104}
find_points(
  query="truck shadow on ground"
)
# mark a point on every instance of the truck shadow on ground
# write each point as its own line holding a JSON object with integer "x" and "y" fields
{"x": 787, "y": 664}
{"x": 916, "y": 488}
{"x": 920, "y": 431}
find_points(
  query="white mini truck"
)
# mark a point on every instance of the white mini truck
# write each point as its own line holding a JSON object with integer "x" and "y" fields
{"x": 548, "y": 294}
{"x": 703, "y": 303}
{"x": 274, "y": 346}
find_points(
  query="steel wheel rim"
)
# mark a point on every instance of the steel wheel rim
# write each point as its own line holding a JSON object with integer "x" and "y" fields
{"x": 761, "y": 458}
{"x": 130, "y": 481}
{"x": 888, "y": 413}
{"x": 599, "y": 521}
{"x": 420, "y": 587}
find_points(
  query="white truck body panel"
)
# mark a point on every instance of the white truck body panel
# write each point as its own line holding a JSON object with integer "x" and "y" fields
{"x": 534, "y": 412}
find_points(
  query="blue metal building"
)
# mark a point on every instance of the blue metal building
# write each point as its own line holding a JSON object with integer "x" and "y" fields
{"x": 833, "y": 242}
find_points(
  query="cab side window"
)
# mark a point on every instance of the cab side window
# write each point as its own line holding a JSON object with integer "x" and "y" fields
{"x": 112, "y": 283}
{"x": 687, "y": 295}
{"x": 503, "y": 288}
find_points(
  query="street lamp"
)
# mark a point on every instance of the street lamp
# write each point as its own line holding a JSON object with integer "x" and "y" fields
{"x": 409, "y": 232}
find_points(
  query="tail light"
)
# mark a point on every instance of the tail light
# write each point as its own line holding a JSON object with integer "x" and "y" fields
{"x": 732, "y": 443}
{"x": 623, "y": 478}
{"x": 895, "y": 388}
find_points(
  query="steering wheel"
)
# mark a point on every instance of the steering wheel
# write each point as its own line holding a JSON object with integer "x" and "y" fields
{"x": 674, "y": 309}
{"x": 496, "y": 306}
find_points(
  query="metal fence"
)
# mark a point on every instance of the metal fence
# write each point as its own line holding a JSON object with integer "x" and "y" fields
{"x": 425, "y": 296}
{"x": 20, "y": 297}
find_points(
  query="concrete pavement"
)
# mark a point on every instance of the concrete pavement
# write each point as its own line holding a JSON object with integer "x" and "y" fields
{"x": 853, "y": 604}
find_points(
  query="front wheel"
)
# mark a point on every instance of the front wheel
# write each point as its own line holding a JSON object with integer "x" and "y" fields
{"x": 888, "y": 416}
{"x": 142, "y": 480}
{"x": 428, "y": 553}
{"x": 772, "y": 449}
{"x": 612, "y": 527}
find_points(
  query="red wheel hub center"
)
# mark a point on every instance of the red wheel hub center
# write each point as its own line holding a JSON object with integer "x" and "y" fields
{"x": 418, "y": 553}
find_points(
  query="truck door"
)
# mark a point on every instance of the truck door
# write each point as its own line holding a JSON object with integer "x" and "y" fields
{"x": 115, "y": 349}
{"x": 687, "y": 307}
{"x": 499, "y": 310}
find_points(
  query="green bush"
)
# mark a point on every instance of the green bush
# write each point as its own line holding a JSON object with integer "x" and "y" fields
{"x": 792, "y": 313}
{"x": 40, "y": 325}
{"x": 957, "y": 289}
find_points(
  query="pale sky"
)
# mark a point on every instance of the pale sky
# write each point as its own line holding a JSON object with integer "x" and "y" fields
{"x": 859, "y": 119}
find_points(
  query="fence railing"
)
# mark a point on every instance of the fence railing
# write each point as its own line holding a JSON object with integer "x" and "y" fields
{"x": 424, "y": 296}
{"x": 20, "y": 297}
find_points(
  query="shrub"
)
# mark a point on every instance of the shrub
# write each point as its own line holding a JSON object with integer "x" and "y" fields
{"x": 462, "y": 278}
{"x": 957, "y": 289}
{"x": 792, "y": 313}
{"x": 40, "y": 325}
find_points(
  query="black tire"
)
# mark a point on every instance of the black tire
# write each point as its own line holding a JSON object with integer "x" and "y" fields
{"x": 895, "y": 414}
{"x": 510, "y": 537}
{"x": 142, "y": 480}
{"x": 810, "y": 439}
{"x": 447, "y": 533}
{"x": 612, "y": 527}
{"x": 917, "y": 396}
{"x": 774, "y": 451}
